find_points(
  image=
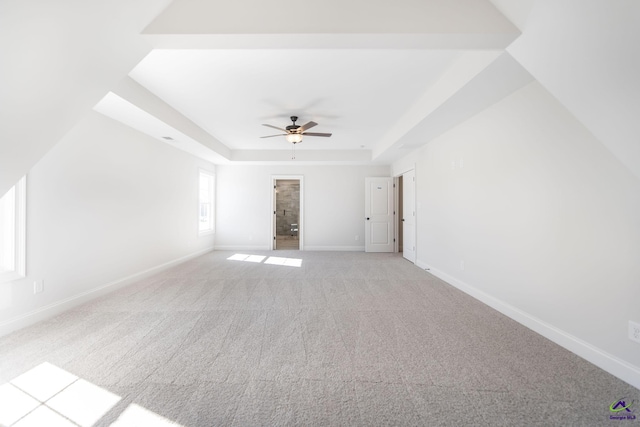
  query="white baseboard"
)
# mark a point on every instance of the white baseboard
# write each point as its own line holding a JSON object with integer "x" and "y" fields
{"x": 61, "y": 306}
{"x": 335, "y": 248}
{"x": 608, "y": 362}
{"x": 242, "y": 248}
{"x": 305, "y": 248}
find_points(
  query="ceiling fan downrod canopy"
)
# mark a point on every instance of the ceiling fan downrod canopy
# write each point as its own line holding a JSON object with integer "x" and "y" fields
{"x": 294, "y": 126}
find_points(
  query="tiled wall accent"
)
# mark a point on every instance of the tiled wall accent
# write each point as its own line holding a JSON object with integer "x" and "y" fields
{"x": 287, "y": 206}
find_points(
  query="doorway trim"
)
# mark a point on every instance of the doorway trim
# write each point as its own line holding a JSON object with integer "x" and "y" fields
{"x": 272, "y": 191}
{"x": 396, "y": 213}
{"x": 398, "y": 228}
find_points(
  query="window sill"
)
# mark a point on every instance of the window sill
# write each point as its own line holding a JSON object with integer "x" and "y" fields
{"x": 10, "y": 276}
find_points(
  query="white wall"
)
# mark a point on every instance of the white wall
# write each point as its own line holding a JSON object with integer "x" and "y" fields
{"x": 545, "y": 219}
{"x": 585, "y": 53}
{"x": 104, "y": 204}
{"x": 333, "y": 205}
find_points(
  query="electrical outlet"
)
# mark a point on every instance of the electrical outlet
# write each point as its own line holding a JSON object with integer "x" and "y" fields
{"x": 38, "y": 286}
{"x": 634, "y": 331}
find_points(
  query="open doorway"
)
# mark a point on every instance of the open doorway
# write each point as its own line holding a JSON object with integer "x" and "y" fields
{"x": 287, "y": 218}
{"x": 405, "y": 206}
{"x": 398, "y": 209}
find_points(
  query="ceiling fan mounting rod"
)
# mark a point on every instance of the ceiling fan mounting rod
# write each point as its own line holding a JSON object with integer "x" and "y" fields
{"x": 294, "y": 127}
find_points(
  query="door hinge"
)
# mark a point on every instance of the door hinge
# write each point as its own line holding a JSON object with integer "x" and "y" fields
{"x": 274, "y": 186}
{"x": 274, "y": 212}
{"x": 274, "y": 237}
{"x": 394, "y": 240}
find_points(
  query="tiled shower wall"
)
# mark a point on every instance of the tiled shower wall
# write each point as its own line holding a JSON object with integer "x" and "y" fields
{"x": 287, "y": 206}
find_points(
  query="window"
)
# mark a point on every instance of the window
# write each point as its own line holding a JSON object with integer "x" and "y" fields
{"x": 206, "y": 219}
{"x": 13, "y": 233}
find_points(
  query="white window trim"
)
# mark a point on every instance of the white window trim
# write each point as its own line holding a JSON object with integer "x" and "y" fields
{"x": 211, "y": 230}
{"x": 19, "y": 268}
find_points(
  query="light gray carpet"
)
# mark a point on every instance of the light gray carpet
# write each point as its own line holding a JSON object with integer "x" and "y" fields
{"x": 344, "y": 339}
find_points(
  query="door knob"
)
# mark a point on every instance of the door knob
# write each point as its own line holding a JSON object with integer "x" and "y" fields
{"x": 367, "y": 218}
{"x": 402, "y": 219}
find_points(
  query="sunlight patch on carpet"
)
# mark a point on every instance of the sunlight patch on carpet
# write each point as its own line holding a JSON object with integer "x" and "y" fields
{"x": 273, "y": 260}
{"x": 47, "y": 395}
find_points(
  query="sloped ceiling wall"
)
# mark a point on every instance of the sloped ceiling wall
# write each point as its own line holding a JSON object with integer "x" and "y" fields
{"x": 58, "y": 60}
{"x": 64, "y": 56}
{"x": 585, "y": 53}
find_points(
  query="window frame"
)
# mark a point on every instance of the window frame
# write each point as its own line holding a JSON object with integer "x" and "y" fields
{"x": 211, "y": 229}
{"x": 17, "y": 269}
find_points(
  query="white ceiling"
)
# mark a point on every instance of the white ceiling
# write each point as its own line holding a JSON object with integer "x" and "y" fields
{"x": 368, "y": 80}
{"x": 355, "y": 94}
{"x": 66, "y": 55}
{"x": 373, "y": 101}
{"x": 377, "y": 103}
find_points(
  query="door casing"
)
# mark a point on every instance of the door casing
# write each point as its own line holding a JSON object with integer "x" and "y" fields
{"x": 409, "y": 215}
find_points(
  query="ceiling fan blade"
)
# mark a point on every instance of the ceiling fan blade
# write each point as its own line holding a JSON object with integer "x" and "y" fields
{"x": 316, "y": 134}
{"x": 275, "y": 127}
{"x": 307, "y": 126}
{"x": 271, "y": 136}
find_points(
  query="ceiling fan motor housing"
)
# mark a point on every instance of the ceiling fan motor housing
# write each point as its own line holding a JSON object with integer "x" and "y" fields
{"x": 294, "y": 126}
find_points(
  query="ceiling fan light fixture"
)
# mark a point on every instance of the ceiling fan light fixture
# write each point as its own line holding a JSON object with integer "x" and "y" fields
{"x": 294, "y": 138}
{"x": 294, "y": 133}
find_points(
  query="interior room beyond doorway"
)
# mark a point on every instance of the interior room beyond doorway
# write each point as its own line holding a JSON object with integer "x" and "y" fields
{"x": 287, "y": 214}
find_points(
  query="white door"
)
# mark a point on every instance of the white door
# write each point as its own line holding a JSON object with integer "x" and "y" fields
{"x": 378, "y": 224}
{"x": 274, "y": 229}
{"x": 409, "y": 216}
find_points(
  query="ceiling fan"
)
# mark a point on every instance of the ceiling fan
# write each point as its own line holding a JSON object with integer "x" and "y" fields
{"x": 294, "y": 132}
